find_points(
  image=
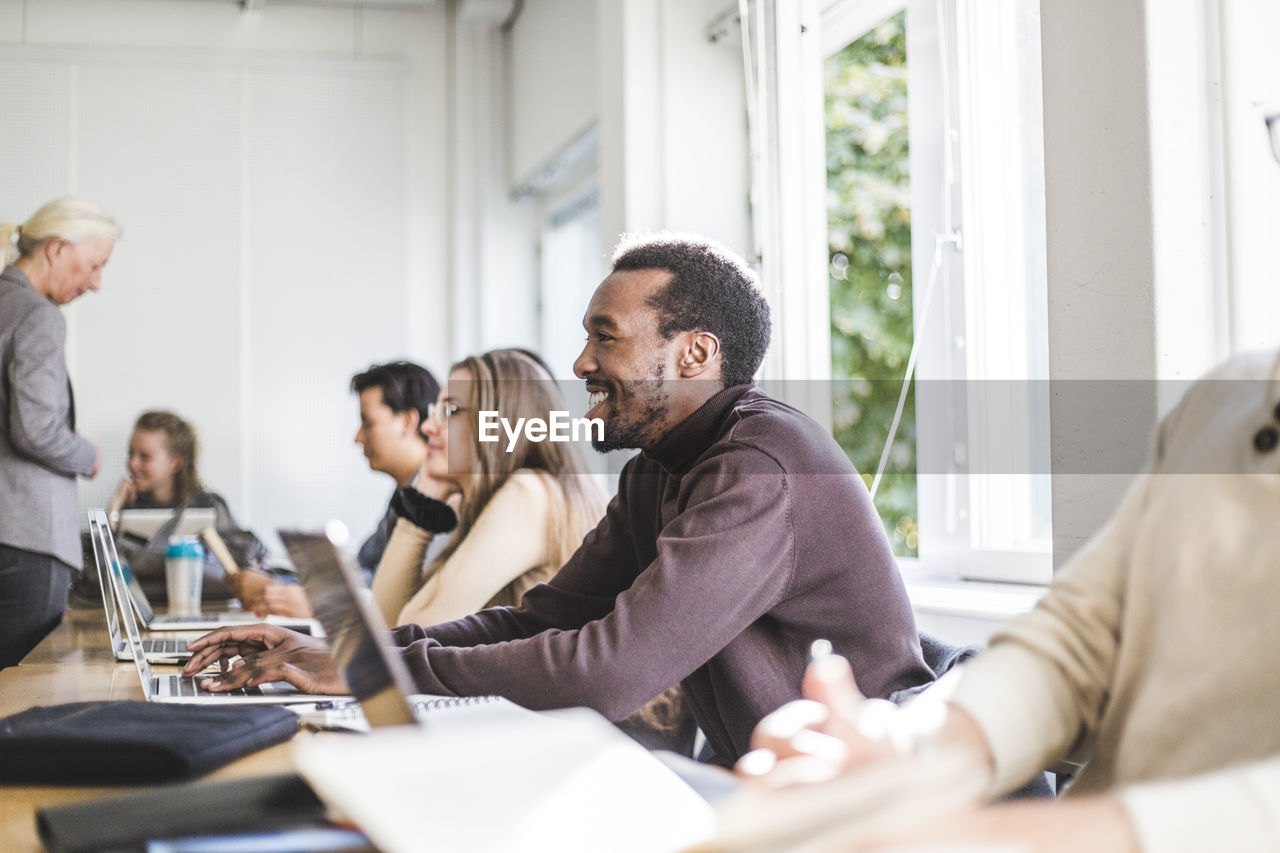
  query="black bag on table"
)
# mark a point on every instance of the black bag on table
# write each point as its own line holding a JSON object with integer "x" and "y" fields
{"x": 127, "y": 743}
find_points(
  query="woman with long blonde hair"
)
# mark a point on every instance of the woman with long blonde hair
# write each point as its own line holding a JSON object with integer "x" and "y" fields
{"x": 516, "y": 511}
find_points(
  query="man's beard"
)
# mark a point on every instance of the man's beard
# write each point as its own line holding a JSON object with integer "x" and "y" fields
{"x": 646, "y": 411}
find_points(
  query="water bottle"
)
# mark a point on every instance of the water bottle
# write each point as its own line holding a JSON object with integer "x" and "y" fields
{"x": 184, "y": 574}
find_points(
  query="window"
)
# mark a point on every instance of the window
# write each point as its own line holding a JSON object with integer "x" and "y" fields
{"x": 1250, "y": 76}
{"x": 571, "y": 265}
{"x": 869, "y": 236}
{"x": 936, "y": 242}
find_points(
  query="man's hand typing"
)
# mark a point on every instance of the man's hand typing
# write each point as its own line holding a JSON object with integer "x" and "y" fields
{"x": 249, "y": 655}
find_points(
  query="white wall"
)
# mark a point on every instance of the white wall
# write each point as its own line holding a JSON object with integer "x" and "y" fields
{"x": 494, "y": 278}
{"x": 674, "y": 151}
{"x": 551, "y": 69}
{"x": 234, "y": 149}
{"x": 1099, "y": 230}
{"x": 1161, "y": 209}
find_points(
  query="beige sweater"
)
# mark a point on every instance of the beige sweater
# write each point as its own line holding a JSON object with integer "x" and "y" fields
{"x": 1158, "y": 645}
{"x": 507, "y": 540}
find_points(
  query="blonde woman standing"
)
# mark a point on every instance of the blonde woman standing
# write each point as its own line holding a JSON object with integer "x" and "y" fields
{"x": 51, "y": 259}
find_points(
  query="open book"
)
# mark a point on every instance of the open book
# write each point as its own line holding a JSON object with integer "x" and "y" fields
{"x": 566, "y": 781}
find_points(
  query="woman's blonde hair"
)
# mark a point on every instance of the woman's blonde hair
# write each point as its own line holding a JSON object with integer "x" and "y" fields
{"x": 68, "y": 218}
{"x": 180, "y": 436}
{"x": 517, "y": 384}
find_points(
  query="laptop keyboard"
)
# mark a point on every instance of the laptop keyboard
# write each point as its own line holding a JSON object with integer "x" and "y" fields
{"x": 179, "y": 686}
{"x": 164, "y": 647}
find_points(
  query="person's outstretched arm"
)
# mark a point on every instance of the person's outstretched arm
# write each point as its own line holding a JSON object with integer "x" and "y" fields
{"x": 508, "y": 539}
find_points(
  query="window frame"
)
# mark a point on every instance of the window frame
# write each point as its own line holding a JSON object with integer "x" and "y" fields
{"x": 556, "y": 208}
{"x": 948, "y": 119}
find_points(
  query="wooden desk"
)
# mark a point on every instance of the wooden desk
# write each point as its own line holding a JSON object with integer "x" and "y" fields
{"x": 74, "y": 664}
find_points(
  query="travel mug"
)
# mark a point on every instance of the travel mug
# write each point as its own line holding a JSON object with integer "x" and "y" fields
{"x": 184, "y": 574}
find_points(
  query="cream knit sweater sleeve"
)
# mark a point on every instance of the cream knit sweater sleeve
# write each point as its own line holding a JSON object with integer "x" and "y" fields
{"x": 1042, "y": 685}
{"x": 508, "y": 539}
{"x": 399, "y": 572}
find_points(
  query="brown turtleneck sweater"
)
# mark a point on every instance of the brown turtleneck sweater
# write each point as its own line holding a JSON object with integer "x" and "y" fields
{"x": 740, "y": 539}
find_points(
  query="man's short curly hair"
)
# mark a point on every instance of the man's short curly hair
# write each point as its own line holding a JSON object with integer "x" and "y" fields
{"x": 712, "y": 290}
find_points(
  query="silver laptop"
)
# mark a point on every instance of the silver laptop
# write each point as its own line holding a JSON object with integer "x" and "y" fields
{"x": 141, "y": 605}
{"x": 146, "y": 523}
{"x": 156, "y": 650}
{"x": 187, "y": 690}
{"x": 361, "y": 645}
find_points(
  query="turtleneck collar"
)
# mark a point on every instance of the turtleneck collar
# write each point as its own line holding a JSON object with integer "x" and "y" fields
{"x": 695, "y": 433}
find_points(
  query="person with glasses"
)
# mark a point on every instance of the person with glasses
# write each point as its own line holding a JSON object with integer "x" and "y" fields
{"x": 516, "y": 513}
{"x": 1153, "y": 655}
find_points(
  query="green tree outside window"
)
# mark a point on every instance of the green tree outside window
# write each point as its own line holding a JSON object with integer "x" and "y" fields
{"x": 869, "y": 245}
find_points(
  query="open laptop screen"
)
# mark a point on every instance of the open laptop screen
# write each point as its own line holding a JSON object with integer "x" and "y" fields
{"x": 119, "y": 575}
{"x": 146, "y": 523}
{"x": 358, "y": 638}
{"x": 100, "y": 560}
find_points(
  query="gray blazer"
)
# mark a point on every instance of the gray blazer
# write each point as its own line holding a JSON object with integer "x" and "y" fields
{"x": 40, "y": 453}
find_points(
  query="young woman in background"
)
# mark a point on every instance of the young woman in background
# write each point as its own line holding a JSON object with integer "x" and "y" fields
{"x": 163, "y": 475}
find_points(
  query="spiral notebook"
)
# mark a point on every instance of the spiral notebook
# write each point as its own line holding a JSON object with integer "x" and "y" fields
{"x": 361, "y": 645}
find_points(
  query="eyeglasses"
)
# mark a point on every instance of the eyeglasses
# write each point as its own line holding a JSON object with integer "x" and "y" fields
{"x": 441, "y": 412}
{"x": 1273, "y": 127}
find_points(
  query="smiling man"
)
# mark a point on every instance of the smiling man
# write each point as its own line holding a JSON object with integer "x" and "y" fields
{"x": 739, "y": 535}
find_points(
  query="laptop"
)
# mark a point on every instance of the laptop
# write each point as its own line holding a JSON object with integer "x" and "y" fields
{"x": 156, "y": 650}
{"x": 187, "y": 690}
{"x": 196, "y": 622}
{"x": 361, "y": 646}
{"x": 146, "y": 523}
